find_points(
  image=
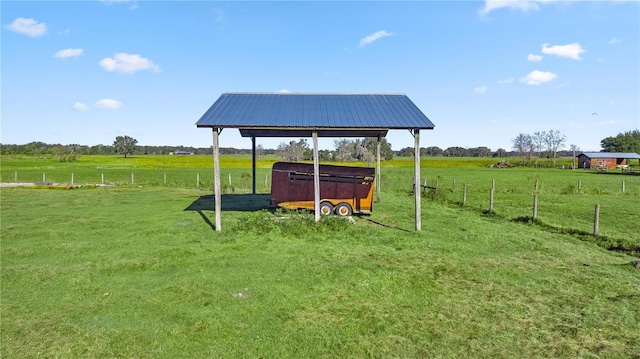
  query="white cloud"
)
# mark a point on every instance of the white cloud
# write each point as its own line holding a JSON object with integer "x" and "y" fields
{"x": 522, "y": 5}
{"x": 571, "y": 51}
{"x": 538, "y": 77}
{"x": 29, "y": 27}
{"x": 79, "y": 106}
{"x": 506, "y": 81}
{"x": 66, "y": 53}
{"x": 534, "y": 58}
{"x": 374, "y": 37}
{"x": 108, "y": 103}
{"x": 481, "y": 90}
{"x": 614, "y": 40}
{"x": 125, "y": 63}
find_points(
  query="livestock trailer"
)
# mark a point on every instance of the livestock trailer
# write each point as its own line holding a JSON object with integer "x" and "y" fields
{"x": 343, "y": 189}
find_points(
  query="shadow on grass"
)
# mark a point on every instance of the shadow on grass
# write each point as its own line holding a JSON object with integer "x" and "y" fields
{"x": 386, "y": 225}
{"x": 230, "y": 202}
{"x": 606, "y": 242}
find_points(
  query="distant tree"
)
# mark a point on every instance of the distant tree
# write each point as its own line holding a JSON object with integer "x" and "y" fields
{"x": 538, "y": 139}
{"x": 520, "y": 145}
{"x": 371, "y": 143}
{"x": 574, "y": 149}
{"x": 125, "y": 145}
{"x": 501, "y": 152}
{"x": 480, "y": 152}
{"x": 455, "y": 152}
{"x": 353, "y": 150}
{"x": 405, "y": 152}
{"x": 623, "y": 142}
{"x": 554, "y": 140}
{"x": 294, "y": 151}
{"x": 431, "y": 151}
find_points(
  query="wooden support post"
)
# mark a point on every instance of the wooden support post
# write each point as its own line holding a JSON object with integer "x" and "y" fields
{"x": 596, "y": 220}
{"x": 266, "y": 181}
{"x": 73, "y": 178}
{"x": 102, "y": 178}
{"x": 132, "y": 180}
{"x": 464, "y": 194}
{"x": 378, "y": 175}
{"x": 198, "y": 180}
{"x": 316, "y": 177}
{"x": 491, "y": 200}
{"x": 253, "y": 165}
{"x": 416, "y": 190}
{"x": 535, "y": 206}
{"x": 622, "y": 186}
{"x": 216, "y": 177}
{"x": 229, "y": 179}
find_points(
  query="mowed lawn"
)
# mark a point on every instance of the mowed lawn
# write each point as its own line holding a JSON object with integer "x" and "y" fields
{"x": 129, "y": 272}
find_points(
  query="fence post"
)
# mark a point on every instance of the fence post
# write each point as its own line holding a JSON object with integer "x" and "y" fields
{"x": 622, "y": 186}
{"x": 493, "y": 183}
{"x": 164, "y": 179}
{"x": 464, "y": 194}
{"x": 579, "y": 185}
{"x": 266, "y": 181}
{"x": 15, "y": 176}
{"x": 535, "y": 206}
{"x": 198, "y": 180}
{"x": 72, "y": 178}
{"x": 596, "y": 220}
{"x": 454, "y": 183}
{"x": 491, "y": 200}
{"x": 229, "y": 179}
{"x": 436, "y": 190}
{"x": 44, "y": 178}
{"x": 536, "y": 185}
{"x": 102, "y": 177}
{"x": 132, "y": 181}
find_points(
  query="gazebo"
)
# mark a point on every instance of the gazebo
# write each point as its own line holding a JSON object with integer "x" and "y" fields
{"x": 313, "y": 115}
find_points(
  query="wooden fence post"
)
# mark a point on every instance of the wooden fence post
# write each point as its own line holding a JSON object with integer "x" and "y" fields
{"x": 44, "y": 178}
{"x": 493, "y": 183}
{"x": 15, "y": 176}
{"x": 535, "y": 206}
{"x": 536, "y": 185}
{"x": 229, "y": 179}
{"x": 491, "y": 199}
{"x": 102, "y": 177}
{"x": 72, "y": 178}
{"x": 596, "y": 220}
{"x": 579, "y": 185}
{"x": 622, "y": 186}
{"x": 132, "y": 181}
{"x": 464, "y": 194}
{"x": 164, "y": 179}
{"x": 454, "y": 183}
{"x": 198, "y": 180}
{"x": 266, "y": 181}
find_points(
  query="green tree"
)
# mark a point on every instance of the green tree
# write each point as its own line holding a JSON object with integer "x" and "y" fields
{"x": 294, "y": 151}
{"x": 386, "y": 153}
{"x": 623, "y": 142}
{"x": 125, "y": 145}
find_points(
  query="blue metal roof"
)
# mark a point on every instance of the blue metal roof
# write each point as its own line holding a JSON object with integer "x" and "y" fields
{"x": 269, "y": 114}
{"x": 611, "y": 155}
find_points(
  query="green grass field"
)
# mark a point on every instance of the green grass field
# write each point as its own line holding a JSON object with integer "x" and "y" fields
{"x": 134, "y": 271}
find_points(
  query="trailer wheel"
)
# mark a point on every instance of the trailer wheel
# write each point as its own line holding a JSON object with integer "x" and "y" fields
{"x": 326, "y": 208}
{"x": 343, "y": 210}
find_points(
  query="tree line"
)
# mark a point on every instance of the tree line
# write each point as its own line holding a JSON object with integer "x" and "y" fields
{"x": 528, "y": 147}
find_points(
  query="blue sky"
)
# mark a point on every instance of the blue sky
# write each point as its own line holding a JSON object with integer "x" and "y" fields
{"x": 482, "y": 71}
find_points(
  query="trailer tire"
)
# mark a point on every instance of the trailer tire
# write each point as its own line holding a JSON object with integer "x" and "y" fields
{"x": 343, "y": 210}
{"x": 326, "y": 208}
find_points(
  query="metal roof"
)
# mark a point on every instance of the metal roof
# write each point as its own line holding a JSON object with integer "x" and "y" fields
{"x": 611, "y": 155}
{"x": 298, "y": 115}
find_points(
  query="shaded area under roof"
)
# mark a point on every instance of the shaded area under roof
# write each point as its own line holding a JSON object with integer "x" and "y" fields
{"x": 627, "y": 155}
{"x": 298, "y": 115}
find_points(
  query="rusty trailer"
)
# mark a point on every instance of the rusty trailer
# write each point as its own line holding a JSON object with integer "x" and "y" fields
{"x": 343, "y": 189}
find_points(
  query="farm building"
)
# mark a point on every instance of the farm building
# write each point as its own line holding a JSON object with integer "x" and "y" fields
{"x": 314, "y": 115}
{"x": 605, "y": 160}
